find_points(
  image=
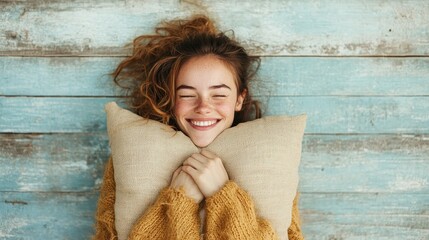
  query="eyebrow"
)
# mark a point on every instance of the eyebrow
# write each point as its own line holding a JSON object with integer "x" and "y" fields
{"x": 211, "y": 87}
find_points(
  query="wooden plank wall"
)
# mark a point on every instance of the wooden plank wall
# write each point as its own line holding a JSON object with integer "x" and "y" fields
{"x": 359, "y": 69}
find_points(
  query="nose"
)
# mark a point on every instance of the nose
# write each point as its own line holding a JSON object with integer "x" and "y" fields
{"x": 203, "y": 106}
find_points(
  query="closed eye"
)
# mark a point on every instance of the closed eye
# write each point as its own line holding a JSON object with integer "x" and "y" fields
{"x": 219, "y": 96}
{"x": 186, "y": 96}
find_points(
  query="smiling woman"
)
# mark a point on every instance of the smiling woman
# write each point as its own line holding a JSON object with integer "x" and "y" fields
{"x": 206, "y": 99}
{"x": 196, "y": 79}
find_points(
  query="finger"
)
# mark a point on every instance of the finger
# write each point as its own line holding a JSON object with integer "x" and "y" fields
{"x": 191, "y": 172}
{"x": 176, "y": 173}
{"x": 208, "y": 154}
{"x": 186, "y": 175}
{"x": 201, "y": 158}
{"x": 191, "y": 161}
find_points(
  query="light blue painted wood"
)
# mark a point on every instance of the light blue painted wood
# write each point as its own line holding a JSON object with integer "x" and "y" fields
{"x": 365, "y": 216}
{"x": 315, "y": 76}
{"x": 46, "y": 215}
{"x": 52, "y": 162}
{"x": 88, "y": 76}
{"x": 266, "y": 27}
{"x": 325, "y": 114}
{"x": 361, "y": 204}
{"x": 357, "y": 114}
{"x": 57, "y": 76}
{"x": 365, "y": 164}
{"x": 56, "y": 114}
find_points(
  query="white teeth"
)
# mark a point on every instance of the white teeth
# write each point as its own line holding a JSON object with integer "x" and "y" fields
{"x": 203, "y": 123}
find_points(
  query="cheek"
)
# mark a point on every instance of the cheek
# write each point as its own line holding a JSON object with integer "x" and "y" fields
{"x": 226, "y": 108}
{"x": 176, "y": 108}
{"x": 180, "y": 108}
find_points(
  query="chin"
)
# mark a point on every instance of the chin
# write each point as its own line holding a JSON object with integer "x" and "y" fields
{"x": 201, "y": 143}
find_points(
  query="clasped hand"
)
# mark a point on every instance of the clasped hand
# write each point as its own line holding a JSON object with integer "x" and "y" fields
{"x": 201, "y": 175}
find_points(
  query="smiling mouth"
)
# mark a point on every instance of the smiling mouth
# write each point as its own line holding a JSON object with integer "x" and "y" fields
{"x": 206, "y": 123}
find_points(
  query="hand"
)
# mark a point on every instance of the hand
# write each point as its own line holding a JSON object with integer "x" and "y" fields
{"x": 207, "y": 170}
{"x": 182, "y": 179}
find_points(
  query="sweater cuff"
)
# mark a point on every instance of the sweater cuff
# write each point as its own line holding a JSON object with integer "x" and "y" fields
{"x": 173, "y": 212}
{"x": 177, "y": 199}
{"x": 231, "y": 206}
{"x": 228, "y": 193}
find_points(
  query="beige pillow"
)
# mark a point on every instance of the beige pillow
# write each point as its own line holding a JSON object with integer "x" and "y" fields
{"x": 261, "y": 156}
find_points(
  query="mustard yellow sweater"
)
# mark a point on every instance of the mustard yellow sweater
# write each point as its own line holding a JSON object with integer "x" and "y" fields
{"x": 230, "y": 214}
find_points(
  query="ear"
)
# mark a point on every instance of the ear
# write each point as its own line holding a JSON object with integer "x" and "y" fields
{"x": 240, "y": 100}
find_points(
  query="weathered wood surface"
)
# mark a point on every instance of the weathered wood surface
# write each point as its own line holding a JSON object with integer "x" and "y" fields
{"x": 330, "y": 163}
{"x": 57, "y": 76}
{"x": 52, "y": 162}
{"x": 295, "y": 76}
{"x": 319, "y": 27}
{"x": 343, "y": 114}
{"x": 359, "y": 69}
{"x": 46, "y": 215}
{"x": 365, "y": 216}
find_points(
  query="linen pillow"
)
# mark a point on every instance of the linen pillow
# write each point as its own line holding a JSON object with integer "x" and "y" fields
{"x": 261, "y": 156}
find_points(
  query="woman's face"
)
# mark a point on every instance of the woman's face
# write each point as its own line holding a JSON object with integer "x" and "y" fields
{"x": 206, "y": 99}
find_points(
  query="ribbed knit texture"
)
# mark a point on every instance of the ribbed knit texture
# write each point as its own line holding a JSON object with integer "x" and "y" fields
{"x": 105, "y": 215}
{"x": 230, "y": 214}
{"x": 294, "y": 231}
{"x": 173, "y": 216}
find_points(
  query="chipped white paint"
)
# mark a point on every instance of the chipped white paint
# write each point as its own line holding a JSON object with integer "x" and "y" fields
{"x": 408, "y": 184}
{"x": 292, "y": 28}
{"x": 79, "y": 165}
{"x": 9, "y": 225}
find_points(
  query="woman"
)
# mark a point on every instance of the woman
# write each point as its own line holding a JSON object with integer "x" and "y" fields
{"x": 192, "y": 77}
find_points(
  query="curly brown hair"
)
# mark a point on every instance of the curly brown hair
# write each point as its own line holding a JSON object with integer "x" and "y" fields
{"x": 149, "y": 74}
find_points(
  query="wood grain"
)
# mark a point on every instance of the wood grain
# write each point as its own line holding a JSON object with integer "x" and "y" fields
{"x": 365, "y": 163}
{"x": 325, "y": 114}
{"x": 49, "y": 215}
{"x": 293, "y": 28}
{"x": 57, "y": 76}
{"x": 52, "y": 162}
{"x": 297, "y": 76}
{"x": 365, "y": 216}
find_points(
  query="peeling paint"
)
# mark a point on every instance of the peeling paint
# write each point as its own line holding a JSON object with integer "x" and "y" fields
{"x": 376, "y": 144}
{"x": 11, "y": 35}
{"x": 407, "y": 184}
{"x": 81, "y": 165}
{"x": 17, "y": 147}
{"x": 282, "y": 34}
{"x": 9, "y": 225}
{"x": 329, "y": 49}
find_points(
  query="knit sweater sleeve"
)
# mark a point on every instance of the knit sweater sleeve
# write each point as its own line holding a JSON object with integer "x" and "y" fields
{"x": 230, "y": 214}
{"x": 172, "y": 216}
{"x": 105, "y": 215}
{"x": 294, "y": 231}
